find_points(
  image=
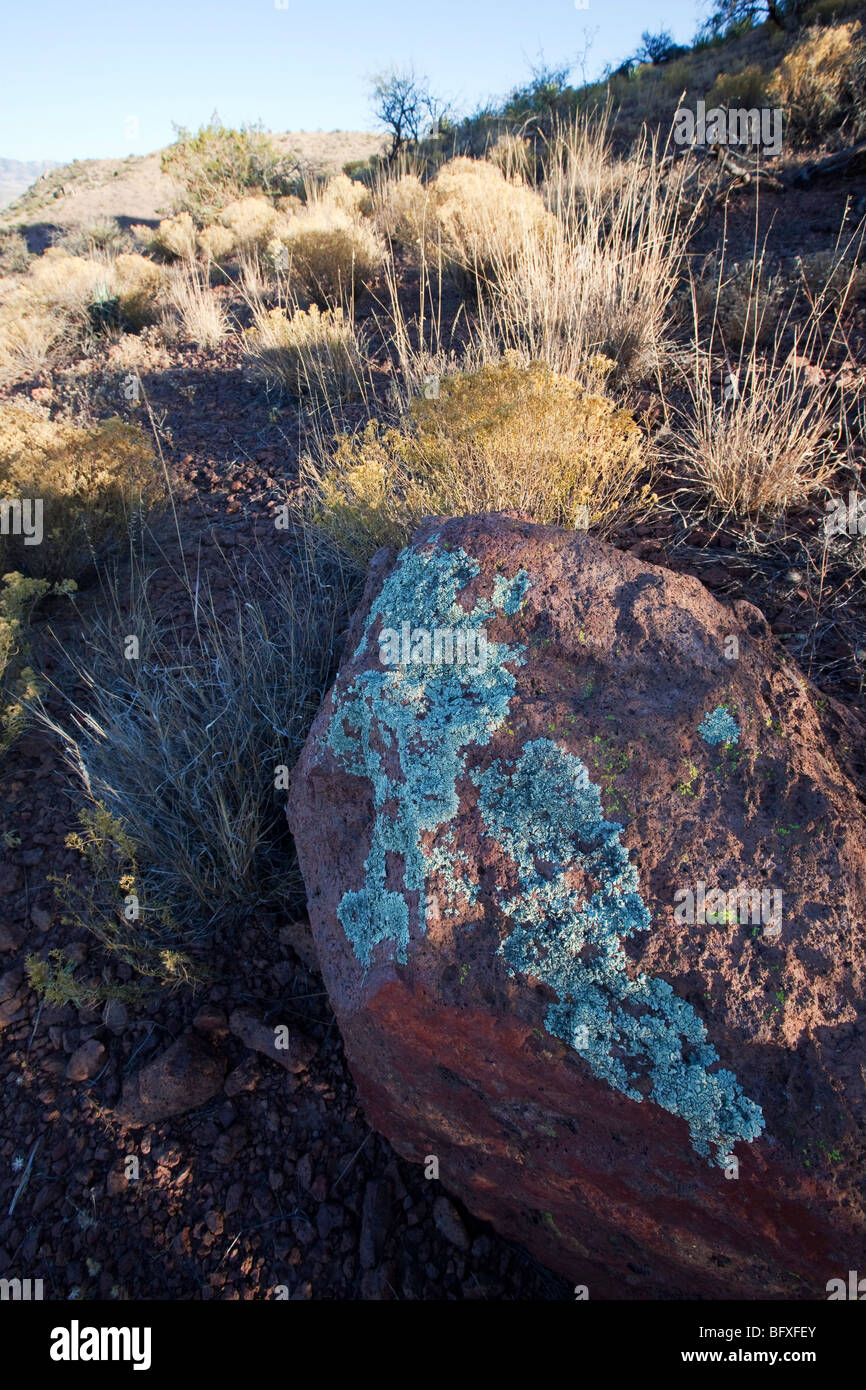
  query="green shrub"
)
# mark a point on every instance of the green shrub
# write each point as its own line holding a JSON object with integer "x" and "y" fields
{"x": 218, "y": 165}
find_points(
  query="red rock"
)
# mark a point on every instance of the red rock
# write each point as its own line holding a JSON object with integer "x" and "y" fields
{"x": 184, "y": 1077}
{"x": 555, "y": 809}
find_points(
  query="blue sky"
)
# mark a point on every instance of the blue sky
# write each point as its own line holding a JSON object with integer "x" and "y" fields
{"x": 74, "y": 74}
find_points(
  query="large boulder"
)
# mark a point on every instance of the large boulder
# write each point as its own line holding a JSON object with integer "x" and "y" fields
{"x": 587, "y": 901}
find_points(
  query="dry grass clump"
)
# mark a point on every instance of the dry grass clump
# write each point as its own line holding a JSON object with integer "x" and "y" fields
{"x": 216, "y": 243}
{"x": 601, "y": 277}
{"x": 251, "y": 222}
{"x": 309, "y": 352}
{"x": 821, "y": 84}
{"x": 182, "y": 755}
{"x": 506, "y": 437}
{"x": 65, "y": 298}
{"x": 760, "y": 437}
{"x": 200, "y": 313}
{"x": 90, "y": 481}
{"x": 330, "y": 253}
{"x": 175, "y": 238}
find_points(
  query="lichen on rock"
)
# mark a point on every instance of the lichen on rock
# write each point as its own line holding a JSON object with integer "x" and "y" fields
{"x": 546, "y": 816}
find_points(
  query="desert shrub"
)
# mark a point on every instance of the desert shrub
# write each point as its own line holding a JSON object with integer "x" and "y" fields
{"x": 104, "y": 234}
{"x": 482, "y": 219}
{"x": 330, "y": 253}
{"x": 821, "y": 84}
{"x": 202, "y": 318}
{"x": 250, "y": 220}
{"x": 403, "y": 211}
{"x": 52, "y": 977}
{"x": 832, "y": 277}
{"x": 317, "y": 353}
{"x": 137, "y": 282}
{"x": 19, "y": 684}
{"x": 89, "y": 480}
{"x": 182, "y": 756}
{"x": 175, "y": 238}
{"x": 512, "y": 155}
{"x": 216, "y": 243}
{"x": 14, "y": 255}
{"x": 746, "y": 88}
{"x": 218, "y": 165}
{"x": 349, "y": 195}
{"x": 506, "y": 437}
{"x": 743, "y": 300}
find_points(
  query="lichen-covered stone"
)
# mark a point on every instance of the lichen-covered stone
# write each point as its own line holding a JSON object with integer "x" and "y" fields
{"x": 492, "y": 853}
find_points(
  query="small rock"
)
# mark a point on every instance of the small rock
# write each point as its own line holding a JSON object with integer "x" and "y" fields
{"x": 184, "y": 1077}
{"x": 266, "y": 1040}
{"x": 449, "y": 1223}
{"x": 85, "y": 1061}
{"x": 375, "y": 1217}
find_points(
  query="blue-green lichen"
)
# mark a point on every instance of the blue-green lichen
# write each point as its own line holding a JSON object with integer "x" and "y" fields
{"x": 429, "y": 715}
{"x": 633, "y": 1030}
{"x": 719, "y": 726}
{"x": 577, "y": 893}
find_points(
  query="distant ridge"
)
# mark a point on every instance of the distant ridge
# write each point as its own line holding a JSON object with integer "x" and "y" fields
{"x": 16, "y": 175}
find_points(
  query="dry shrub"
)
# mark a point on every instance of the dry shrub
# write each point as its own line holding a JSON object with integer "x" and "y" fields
{"x": 137, "y": 283}
{"x": 175, "y": 238}
{"x": 745, "y": 88}
{"x": 330, "y": 253}
{"x": 202, "y": 317}
{"x": 216, "y": 243}
{"x": 821, "y": 84}
{"x": 90, "y": 482}
{"x": 251, "y": 221}
{"x": 513, "y": 157}
{"x": 308, "y": 352}
{"x": 19, "y": 684}
{"x": 507, "y": 437}
{"x": 349, "y": 195}
{"x": 402, "y": 211}
{"x": 64, "y": 298}
{"x": 483, "y": 220}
